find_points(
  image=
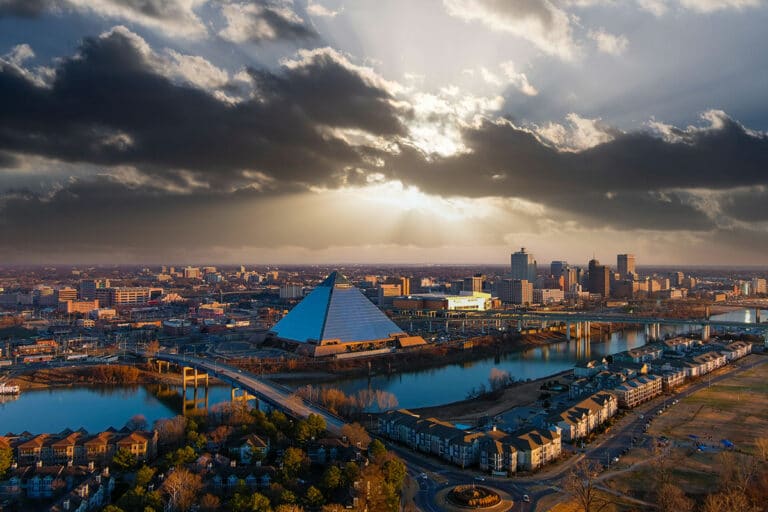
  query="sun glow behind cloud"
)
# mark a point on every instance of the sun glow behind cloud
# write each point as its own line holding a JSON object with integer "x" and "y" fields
{"x": 400, "y": 199}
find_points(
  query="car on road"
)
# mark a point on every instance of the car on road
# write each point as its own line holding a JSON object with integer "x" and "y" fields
{"x": 526, "y": 498}
{"x": 480, "y": 478}
{"x": 615, "y": 460}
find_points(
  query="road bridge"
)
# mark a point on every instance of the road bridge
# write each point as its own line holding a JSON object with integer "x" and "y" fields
{"x": 272, "y": 394}
{"x": 577, "y": 322}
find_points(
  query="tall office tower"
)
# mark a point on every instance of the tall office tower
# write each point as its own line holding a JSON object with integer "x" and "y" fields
{"x": 473, "y": 284}
{"x": 626, "y": 264}
{"x": 599, "y": 279}
{"x": 405, "y": 286}
{"x": 503, "y": 289}
{"x": 522, "y": 292}
{"x": 677, "y": 279}
{"x": 523, "y": 266}
{"x": 558, "y": 268}
{"x": 570, "y": 278}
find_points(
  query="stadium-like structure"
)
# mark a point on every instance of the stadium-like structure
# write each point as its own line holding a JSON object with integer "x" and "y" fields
{"x": 336, "y": 318}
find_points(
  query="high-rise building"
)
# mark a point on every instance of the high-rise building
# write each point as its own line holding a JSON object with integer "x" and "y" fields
{"x": 570, "y": 278}
{"x": 759, "y": 286}
{"x": 409, "y": 285}
{"x": 626, "y": 265}
{"x": 473, "y": 284}
{"x": 522, "y": 292}
{"x": 558, "y": 268}
{"x": 523, "y": 266}
{"x": 88, "y": 287}
{"x": 503, "y": 289}
{"x": 599, "y": 279}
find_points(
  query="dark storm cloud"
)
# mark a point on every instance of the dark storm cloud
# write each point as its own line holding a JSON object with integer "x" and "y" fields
{"x": 628, "y": 182}
{"x": 109, "y": 106}
{"x": 7, "y": 160}
{"x": 81, "y": 211}
{"x": 160, "y": 9}
{"x": 284, "y": 27}
{"x": 25, "y": 8}
{"x": 749, "y": 205}
{"x": 324, "y": 76}
{"x": 258, "y": 21}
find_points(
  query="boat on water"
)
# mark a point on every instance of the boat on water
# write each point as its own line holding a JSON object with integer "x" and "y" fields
{"x": 7, "y": 389}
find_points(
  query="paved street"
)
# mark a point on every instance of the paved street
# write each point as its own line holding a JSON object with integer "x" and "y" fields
{"x": 440, "y": 475}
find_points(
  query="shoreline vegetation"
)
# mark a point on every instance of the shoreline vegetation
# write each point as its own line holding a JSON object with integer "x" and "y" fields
{"x": 297, "y": 373}
{"x": 290, "y": 371}
{"x": 519, "y": 393}
{"x": 114, "y": 374}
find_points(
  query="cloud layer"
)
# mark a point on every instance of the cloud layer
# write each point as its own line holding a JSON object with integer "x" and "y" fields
{"x": 261, "y": 133}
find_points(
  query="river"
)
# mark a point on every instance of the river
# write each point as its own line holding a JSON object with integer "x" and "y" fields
{"x": 97, "y": 407}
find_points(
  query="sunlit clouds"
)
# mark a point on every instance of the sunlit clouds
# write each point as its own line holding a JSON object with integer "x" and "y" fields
{"x": 436, "y": 131}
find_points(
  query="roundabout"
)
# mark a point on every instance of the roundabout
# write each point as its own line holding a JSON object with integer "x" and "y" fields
{"x": 473, "y": 497}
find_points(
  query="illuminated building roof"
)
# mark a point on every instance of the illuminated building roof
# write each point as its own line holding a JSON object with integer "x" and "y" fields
{"x": 335, "y": 311}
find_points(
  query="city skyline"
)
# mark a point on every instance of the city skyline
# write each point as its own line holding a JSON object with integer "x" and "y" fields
{"x": 330, "y": 131}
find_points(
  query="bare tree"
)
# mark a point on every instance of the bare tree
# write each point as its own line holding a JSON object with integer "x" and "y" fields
{"x": 671, "y": 498}
{"x": 729, "y": 501}
{"x": 137, "y": 422}
{"x": 170, "y": 431}
{"x": 581, "y": 483}
{"x": 761, "y": 443}
{"x": 736, "y": 471}
{"x": 662, "y": 463}
{"x": 153, "y": 347}
{"x": 356, "y": 434}
{"x": 182, "y": 487}
{"x": 210, "y": 503}
{"x": 499, "y": 379}
{"x": 220, "y": 434}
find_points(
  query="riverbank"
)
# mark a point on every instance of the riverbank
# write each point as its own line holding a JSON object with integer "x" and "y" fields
{"x": 422, "y": 358}
{"x": 469, "y": 410}
{"x": 88, "y": 375}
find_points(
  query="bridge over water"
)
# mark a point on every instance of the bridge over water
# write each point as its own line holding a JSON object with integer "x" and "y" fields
{"x": 573, "y": 321}
{"x": 272, "y": 394}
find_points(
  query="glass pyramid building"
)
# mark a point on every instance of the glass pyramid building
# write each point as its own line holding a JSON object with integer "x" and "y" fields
{"x": 336, "y": 313}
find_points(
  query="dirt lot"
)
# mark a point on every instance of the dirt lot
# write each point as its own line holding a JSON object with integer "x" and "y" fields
{"x": 735, "y": 409}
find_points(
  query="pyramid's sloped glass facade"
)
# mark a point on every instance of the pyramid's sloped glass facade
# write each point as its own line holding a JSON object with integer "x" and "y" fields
{"x": 305, "y": 321}
{"x": 335, "y": 310}
{"x": 352, "y": 317}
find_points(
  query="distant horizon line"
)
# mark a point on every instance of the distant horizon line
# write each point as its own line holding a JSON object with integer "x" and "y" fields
{"x": 77, "y": 266}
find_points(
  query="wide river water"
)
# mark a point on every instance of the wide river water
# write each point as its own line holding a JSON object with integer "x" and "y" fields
{"x": 98, "y": 407}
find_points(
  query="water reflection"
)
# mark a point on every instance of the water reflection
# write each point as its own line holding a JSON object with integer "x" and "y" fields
{"x": 96, "y": 408}
{"x": 452, "y": 382}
